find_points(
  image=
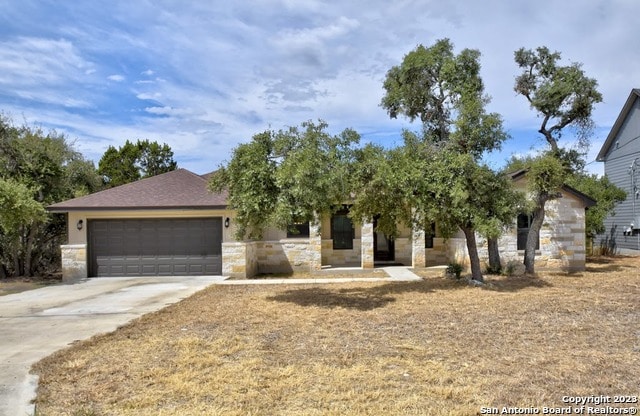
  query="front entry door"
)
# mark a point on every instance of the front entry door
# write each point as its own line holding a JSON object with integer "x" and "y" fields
{"x": 383, "y": 246}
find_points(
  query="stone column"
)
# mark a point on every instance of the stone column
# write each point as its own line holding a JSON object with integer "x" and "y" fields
{"x": 74, "y": 262}
{"x": 366, "y": 242}
{"x": 417, "y": 248}
{"x": 234, "y": 260}
{"x": 315, "y": 246}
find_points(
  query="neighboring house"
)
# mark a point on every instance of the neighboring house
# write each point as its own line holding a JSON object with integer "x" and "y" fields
{"x": 171, "y": 225}
{"x": 621, "y": 156}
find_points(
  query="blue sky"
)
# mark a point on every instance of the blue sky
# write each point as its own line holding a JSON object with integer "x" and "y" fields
{"x": 204, "y": 76}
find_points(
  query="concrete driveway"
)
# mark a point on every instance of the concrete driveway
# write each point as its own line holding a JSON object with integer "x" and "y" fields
{"x": 36, "y": 323}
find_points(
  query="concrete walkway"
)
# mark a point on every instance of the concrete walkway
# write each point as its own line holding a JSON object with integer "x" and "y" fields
{"x": 36, "y": 323}
{"x": 396, "y": 274}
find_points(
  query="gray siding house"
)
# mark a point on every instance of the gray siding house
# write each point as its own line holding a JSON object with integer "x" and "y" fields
{"x": 621, "y": 156}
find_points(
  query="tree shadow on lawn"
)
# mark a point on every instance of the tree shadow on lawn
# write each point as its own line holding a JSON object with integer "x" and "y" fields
{"x": 602, "y": 264}
{"x": 362, "y": 299}
{"x": 365, "y": 298}
{"x": 514, "y": 284}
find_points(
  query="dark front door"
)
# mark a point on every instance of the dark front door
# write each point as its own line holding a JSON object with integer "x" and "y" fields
{"x": 383, "y": 246}
{"x": 155, "y": 247}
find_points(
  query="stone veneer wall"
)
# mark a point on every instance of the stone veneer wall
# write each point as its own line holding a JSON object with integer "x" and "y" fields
{"x": 563, "y": 244}
{"x": 418, "y": 251}
{"x": 403, "y": 248}
{"x": 239, "y": 259}
{"x": 366, "y": 259}
{"x": 341, "y": 257}
{"x": 287, "y": 256}
{"x": 562, "y": 240}
{"x": 74, "y": 262}
{"x": 439, "y": 255}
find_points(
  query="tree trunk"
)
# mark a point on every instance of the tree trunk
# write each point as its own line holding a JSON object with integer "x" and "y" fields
{"x": 533, "y": 237}
{"x": 474, "y": 259}
{"x": 495, "y": 265}
{"x": 28, "y": 252}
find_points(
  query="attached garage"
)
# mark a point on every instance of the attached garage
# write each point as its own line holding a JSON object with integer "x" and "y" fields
{"x": 155, "y": 247}
{"x": 165, "y": 225}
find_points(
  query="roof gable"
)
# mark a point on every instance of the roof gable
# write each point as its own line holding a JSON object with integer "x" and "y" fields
{"x": 584, "y": 198}
{"x": 177, "y": 189}
{"x": 615, "y": 129}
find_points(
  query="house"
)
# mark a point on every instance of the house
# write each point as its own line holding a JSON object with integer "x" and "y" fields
{"x": 171, "y": 224}
{"x": 621, "y": 156}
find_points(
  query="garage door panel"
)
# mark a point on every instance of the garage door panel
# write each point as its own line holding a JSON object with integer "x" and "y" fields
{"x": 141, "y": 247}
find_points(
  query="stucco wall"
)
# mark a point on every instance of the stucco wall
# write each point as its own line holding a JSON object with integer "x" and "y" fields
{"x": 80, "y": 236}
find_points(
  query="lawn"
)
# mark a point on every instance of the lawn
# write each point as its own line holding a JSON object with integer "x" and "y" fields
{"x": 435, "y": 347}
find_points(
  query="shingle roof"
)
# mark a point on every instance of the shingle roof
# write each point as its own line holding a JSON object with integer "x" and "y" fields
{"x": 628, "y": 105}
{"x": 178, "y": 189}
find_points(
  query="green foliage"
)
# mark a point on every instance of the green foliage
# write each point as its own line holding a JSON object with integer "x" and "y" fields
{"x": 18, "y": 209}
{"x": 546, "y": 175}
{"x": 384, "y": 182}
{"x": 155, "y": 159}
{"x": 313, "y": 175}
{"x": 511, "y": 267}
{"x": 36, "y": 169}
{"x": 445, "y": 91}
{"x": 134, "y": 161}
{"x": 454, "y": 270}
{"x": 286, "y": 177}
{"x": 250, "y": 181}
{"x": 604, "y": 192}
{"x": 442, "y": 180}
{"x": 561, "y": 95}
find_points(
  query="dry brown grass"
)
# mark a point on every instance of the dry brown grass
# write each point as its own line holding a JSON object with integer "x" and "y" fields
{"x": 21, "y": 284}
{"x": 437, "y": 347}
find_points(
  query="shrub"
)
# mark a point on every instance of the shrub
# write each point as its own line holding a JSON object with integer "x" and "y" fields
{"x": 607, "y": 248}
{"x": 454, "y": 270}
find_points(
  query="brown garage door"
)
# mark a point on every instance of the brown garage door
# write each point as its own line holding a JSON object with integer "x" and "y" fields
{"x": 155, "y": 247}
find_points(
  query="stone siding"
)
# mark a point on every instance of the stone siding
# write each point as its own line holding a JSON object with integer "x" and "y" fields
{"x": 287, "y": 256}
{"x": 562, "y": 240}
{"x": 366, "y": 259}
{"x": 341, "y": 257}
{"x": 403, "y": 249}
{"x": 239, "y": 260}
{"x": 74, "y": 262}
{"x": 439, "y": 254}
{"x": 418, "y": 251}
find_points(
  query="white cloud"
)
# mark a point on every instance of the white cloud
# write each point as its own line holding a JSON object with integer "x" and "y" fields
{"x": 32, "y": 59}
{"x": 149, "y": 96}
{"x": 217, "y": 73}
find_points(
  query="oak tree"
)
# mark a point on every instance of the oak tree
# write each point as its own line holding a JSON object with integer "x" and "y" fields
{"x": 133, "y": 161}
{"x": 285, "y": 177}
{"x": 445, "y": 92}
{"x": 564, "y": 98}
